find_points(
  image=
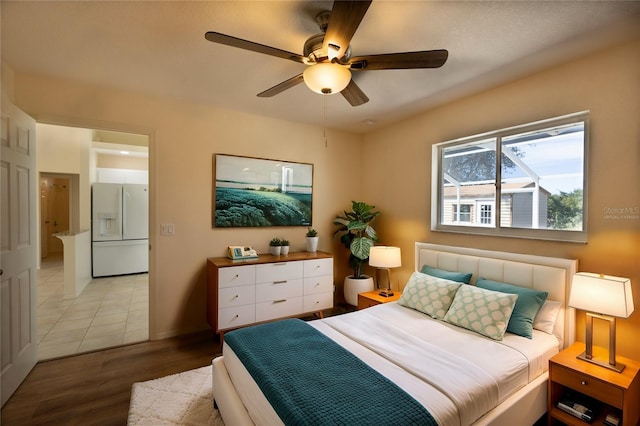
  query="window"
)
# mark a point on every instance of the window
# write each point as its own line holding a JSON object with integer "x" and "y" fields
{"x": 535, "y": 188}
{"x": 464, "y": 215}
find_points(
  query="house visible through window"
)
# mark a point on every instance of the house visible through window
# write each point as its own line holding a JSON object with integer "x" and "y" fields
{"x": 535, "y": 188}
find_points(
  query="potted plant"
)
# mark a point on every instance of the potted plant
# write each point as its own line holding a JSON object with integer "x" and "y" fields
{"x": 312, "y": 240}
{"x": 274, "y": 246}
{"x": 358, "y": 236}
{"x": 284, "y": 246}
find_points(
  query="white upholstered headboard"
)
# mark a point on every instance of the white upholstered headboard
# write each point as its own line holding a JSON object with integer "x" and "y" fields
{"x": 549, "y": 274}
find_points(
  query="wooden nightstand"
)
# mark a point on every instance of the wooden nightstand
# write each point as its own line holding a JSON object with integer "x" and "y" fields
{"x": 615, "y": 392}
{"x": 372, "y": 298}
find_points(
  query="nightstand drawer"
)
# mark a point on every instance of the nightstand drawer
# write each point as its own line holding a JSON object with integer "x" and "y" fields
{"x": 587, "y": 385}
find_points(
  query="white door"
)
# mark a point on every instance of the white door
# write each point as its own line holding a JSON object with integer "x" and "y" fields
{"x": 106, "y": 215}
{"x": 135, "y": 212}
{"x": 18, "y": 251}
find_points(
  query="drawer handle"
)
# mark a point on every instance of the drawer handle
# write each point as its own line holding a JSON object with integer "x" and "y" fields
{"x": 280, "y": 264}
{"x": 236, "y": 316}
{"x": 317, "y": 284}
{"x": 280, "y": 282}
{"x": 584, "y": 383}
{"x": 236, "y": 296}
{"x": 280, "y": 301}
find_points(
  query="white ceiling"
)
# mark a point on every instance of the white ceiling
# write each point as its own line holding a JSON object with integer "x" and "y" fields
{"x": 158, "y": 48}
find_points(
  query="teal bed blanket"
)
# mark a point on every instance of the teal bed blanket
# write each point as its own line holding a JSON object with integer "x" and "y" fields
{"x": 310, "y": 380}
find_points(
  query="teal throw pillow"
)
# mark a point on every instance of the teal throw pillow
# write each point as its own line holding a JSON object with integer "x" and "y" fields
{"x": 460, "y": 277}
{"x": 527, "y": 306}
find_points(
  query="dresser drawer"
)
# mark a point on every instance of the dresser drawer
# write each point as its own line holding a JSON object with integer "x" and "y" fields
{"x": 318, "y": 267}
{"x": 267, "y": 292}
{"x": 317, "y": 302}
{"x": 236, "y": 316}
{"x": 278, "y": 308}
{"x": 587, "y": 385}
{"x": 315, "y": 285}
{"x": 236, "y": 276}
{"x": 236, "y": 296}
{"x": 281, "y": 271}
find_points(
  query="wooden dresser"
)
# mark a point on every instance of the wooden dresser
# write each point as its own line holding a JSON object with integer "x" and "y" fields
{"x": 246, "y": 292}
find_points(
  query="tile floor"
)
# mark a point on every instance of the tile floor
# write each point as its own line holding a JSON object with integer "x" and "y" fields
{"x": 110, "y": 312}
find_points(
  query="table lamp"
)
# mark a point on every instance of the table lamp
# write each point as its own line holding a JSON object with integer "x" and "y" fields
{"x": 383, "y": 258}
{"x": 603, "y": 297}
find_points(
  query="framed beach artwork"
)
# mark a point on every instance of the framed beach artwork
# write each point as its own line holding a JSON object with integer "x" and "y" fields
{"x": 256, "y": 192}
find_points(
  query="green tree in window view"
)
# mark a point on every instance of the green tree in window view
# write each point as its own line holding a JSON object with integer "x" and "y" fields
{"x": 565, "y": 210}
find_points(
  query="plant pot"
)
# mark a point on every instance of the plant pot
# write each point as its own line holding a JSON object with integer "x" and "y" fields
{"x": 284, "y": 249}
{"x": 353, "y": 286}
{"x": 275, "y": 250}
{"x": 312, "y": 244}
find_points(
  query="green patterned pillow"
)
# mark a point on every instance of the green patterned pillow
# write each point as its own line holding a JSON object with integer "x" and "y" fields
{"x": 428, "y": 294}
{"x": 484, "y": 311}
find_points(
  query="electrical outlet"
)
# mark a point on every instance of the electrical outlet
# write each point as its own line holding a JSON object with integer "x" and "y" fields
{"x": 167, "y": 229}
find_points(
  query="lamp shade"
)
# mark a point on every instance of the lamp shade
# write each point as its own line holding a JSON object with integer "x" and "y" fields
{"x": 326, "y": 78}
{"x": 385, "y": 257}
{"x": 602, "y": 294}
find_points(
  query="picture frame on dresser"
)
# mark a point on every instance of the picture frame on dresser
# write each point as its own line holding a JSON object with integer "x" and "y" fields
{"x": 259, "y": 192}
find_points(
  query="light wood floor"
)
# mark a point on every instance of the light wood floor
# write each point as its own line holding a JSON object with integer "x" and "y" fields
{"x": 95, "y": 388}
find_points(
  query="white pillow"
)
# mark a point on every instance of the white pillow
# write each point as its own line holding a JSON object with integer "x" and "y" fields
{"x": 484, "y": 311}
{"x": 429, "y": 294}
{"x": 546, "y": 317}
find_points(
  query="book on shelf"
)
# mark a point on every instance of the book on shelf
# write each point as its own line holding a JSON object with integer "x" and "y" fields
{"x": 578, "y": 406}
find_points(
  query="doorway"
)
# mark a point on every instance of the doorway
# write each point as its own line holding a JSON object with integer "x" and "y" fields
{"x": 54, "y": 212}
{"x": 110, "y": 311}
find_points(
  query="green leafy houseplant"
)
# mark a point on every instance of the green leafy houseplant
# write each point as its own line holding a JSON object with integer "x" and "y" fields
{"x": 311, "y": 232}
{"x": 357, "y": 234}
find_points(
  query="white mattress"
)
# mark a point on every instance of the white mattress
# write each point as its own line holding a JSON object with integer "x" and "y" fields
{"x": 456, "y": 374}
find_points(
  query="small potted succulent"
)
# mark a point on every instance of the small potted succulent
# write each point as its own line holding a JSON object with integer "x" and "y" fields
{"x": 312, "y": 240}
{"x": 284, "y": 246}
{"x": 274, "y": 246}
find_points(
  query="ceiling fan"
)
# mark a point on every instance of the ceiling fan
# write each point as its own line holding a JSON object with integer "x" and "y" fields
{"x": 328, "y": 55}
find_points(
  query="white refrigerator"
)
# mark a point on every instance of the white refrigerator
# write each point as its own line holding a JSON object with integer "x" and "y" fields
{"x": 120, "y": 229}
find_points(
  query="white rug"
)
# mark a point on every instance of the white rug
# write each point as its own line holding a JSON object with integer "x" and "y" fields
{"x": 180, "y": 399}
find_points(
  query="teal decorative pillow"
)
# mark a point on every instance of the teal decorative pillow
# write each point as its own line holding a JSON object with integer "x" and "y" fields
{"x": 460, "y": 277}
{"x": 486, "y": 312}
{"x": 529, "y": 303}
{"x": 427, "y": 294}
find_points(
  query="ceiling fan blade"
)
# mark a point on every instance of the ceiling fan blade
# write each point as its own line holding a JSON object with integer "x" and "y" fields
{"x": 401, "y": 61}
{"x": 343, "y": 23}
{"x": 287, "y": 84}
{"x": 354, "y": 95}
{"x": 254, "y": 47}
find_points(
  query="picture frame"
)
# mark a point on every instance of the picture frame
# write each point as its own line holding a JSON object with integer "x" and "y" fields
{"x": 259, "y": 192}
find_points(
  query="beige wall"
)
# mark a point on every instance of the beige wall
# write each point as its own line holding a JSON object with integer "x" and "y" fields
{"x": 67, "y": 150}
{"x": 607, "y": 84}
{"x": 182, "y": 140}
{"x": 121, "y": 162}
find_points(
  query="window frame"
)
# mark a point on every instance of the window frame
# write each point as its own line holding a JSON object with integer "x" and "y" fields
{"x": 497, "y": 229}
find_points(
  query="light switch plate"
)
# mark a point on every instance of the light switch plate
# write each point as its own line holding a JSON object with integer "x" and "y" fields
{"x": 167, "y": 229}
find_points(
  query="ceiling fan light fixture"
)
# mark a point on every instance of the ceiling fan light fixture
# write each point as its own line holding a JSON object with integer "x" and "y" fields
{"x": 327, "y": 78}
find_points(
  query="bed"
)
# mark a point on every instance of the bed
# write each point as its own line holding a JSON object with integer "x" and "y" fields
{"x": 456, "y": 374}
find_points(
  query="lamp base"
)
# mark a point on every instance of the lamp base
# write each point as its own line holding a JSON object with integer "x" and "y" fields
{"x": 615, "y": 367}
{"x": 386, "y": 293}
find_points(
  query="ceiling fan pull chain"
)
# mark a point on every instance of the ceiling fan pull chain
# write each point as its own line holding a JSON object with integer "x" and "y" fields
{"x": 325, "y": 121}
